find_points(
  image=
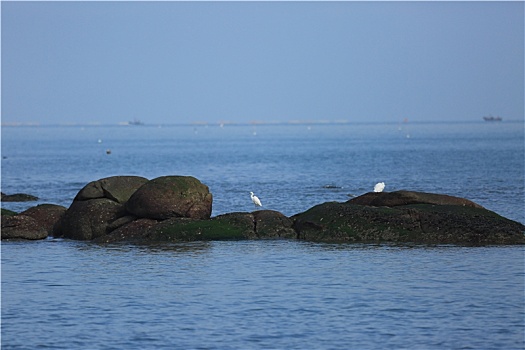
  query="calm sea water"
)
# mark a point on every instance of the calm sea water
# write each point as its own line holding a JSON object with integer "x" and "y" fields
{"x": 272, "y": 294}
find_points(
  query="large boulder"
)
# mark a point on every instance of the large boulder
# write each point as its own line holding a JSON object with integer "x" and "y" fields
{"x": 22, "y": 227}
{"x": 86, "y": 220}
{"x": 418, "y": 223}
{"x": 171, "y": 197}
{"x": 116, "y": 188}
{"x": 46, "y": 215}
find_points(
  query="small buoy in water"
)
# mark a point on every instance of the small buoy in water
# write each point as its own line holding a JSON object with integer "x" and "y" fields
{"x": 99, "y": 140}
{"x": 108, "y": 151}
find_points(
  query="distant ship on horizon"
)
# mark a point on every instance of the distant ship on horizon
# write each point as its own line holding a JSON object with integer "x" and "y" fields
{"x": 492, "y": 119}
{"x": 135, "y": 122}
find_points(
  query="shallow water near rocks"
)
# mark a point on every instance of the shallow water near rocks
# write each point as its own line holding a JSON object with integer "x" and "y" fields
{"x": 63, "y": 294}
{"x": 260, "y": 294}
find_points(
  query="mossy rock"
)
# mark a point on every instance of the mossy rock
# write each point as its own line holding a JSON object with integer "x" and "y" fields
{"x": 270, "y": 224}
{"x": 171, "y": 197}
{"x": 343, "y": 222}
{"x": 418, "y": 223}
{"x": 224, "y": 227}
{"x": 7, "y": 212}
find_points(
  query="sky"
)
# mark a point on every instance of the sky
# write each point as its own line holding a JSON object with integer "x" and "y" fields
{"x": 185, "y": 62}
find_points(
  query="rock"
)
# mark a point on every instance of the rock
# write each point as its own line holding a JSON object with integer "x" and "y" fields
{"x": 171, "y": 197}
{"x": 18, "y": 197}
{"x": 134, "y": 231}
{"x": 233, "y": 226}
{"x": 116, "y": 188}
{"x": 264, "y": 224}
{"x": 119, "y": 222}
{"x": 86, "y": 220}
{"x": 418, "y": 223}
{"x": 272, "y": 224}
{"x": 46, "y": 215}
{"x": 398, "y": 198}
{"x": 22, "y": 227}
{"x": 7, "y": 212}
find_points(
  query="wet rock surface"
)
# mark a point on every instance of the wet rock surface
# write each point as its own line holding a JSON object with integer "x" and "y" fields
{"x": 178, "y": 208}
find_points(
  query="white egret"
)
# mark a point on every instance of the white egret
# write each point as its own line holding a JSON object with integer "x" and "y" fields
{"x": 379, "y": 187}
{"x": 255, "y": 200}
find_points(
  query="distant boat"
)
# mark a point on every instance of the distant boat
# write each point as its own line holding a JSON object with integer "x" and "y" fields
{"x": 492, "y": 119}
{"x": 135, "y": 122}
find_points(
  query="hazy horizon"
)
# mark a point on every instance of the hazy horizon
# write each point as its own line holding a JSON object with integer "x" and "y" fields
{"x": 261, "y": 62}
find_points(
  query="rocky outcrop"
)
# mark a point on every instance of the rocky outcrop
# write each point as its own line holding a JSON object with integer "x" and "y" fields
{"x": 33, "y": 223}
{"x": 17, "y": 197}
{"x": 178, "y": 209}
{"x": 407, "y": 217}
{"x": 98, "y": 208}
{"x": 46, "y": 215}
{"x": 264, "y": 224}
{"x": 270, "y": 224}
{"x": 171, "y": 197}
{"x": 22, "y": 227}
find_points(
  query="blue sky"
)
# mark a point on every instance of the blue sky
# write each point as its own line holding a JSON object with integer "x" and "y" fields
{"x": 183, "y": 62}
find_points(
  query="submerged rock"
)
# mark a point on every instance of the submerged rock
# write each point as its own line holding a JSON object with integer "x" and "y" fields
{"x": 17, "y": 197}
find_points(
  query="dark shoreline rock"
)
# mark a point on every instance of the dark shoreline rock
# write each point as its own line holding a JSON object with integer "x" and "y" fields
{"x": 17, "y": 197}
{"x": 22, "y": 227}
{"x": 417, "y": 223}
{"x": 178, "y": 208}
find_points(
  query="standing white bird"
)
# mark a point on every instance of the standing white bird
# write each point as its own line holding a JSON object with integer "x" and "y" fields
{"x": 379, "y": 187}
{"x": 256, "y": 201}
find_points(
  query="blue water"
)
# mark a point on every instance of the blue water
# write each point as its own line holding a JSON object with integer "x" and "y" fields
{"x": 268, "y": 294}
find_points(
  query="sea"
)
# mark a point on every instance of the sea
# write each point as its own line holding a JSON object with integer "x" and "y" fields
{"x": 280, "y": 294}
